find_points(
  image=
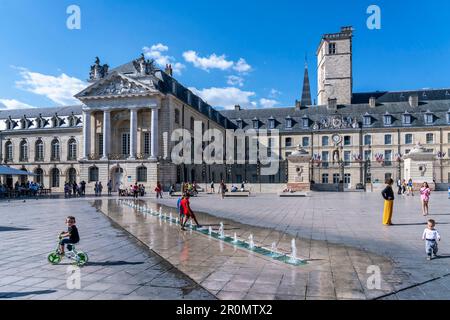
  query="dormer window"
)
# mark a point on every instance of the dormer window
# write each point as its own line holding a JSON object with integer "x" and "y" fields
{"x": 239, "y": 123}
{"x": 271, "y": 123}
{"x": 429, "y": 118}
{"x": 367, "y": 120}
{"x": 407, "y": 119}
{"x": 288, "y": 123}
{"x": 387, "y": 120}
{"x": 305, "y": 122}
{"x": 255, "y": 123}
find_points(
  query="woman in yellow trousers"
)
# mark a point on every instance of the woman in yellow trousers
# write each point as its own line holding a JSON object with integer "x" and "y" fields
{"x": 388, "y": 195}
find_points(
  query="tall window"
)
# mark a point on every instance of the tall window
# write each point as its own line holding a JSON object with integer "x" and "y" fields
{"x": 347, "y": 178}
{"x": 332, "y": 48}
{"x": 347, "y": 158}
{"x": 23, "y": 151}
{"x": 54, "y": 175}
{"x": 367, "y": 155}
{"x": 100, "y": 144}
{"x": 325, "y": 178}
{"x": 305, "y": 141}
{"x": 408, "y": 138}
{"x": 55, "y": 150}
{"x": 367, "y": 140}
{"x": 126, "y": 143}
{"x": 325, "y": 141}
{"x": 72, "y": 150}
{"x": 147, "y": 143}
{"x": 336, "y": 178}
{"x": 93, "y": 174}
{"x": 141, "y": 174}
{"x": 388, "y": 157}
{"x": 430, "y": 138}
{"x": 9, "y": 151}
{"x": 388, "y": 139}
{"x": 39, "y": 176}
{"x": 177, "y": 116}
{"x": 325, "y": 159}
{"x": 288, "y": 142}
{"x": 39, "y": 151}
{"x": 72, "y": 175}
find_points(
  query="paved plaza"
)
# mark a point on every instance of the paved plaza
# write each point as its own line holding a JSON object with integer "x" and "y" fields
{"x": 340, "y": 235}
{"x": 120, "y": 267}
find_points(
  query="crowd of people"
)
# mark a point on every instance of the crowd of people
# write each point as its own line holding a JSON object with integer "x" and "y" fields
{"x": 28, "y": 188}
{"x": 73, "y": 189}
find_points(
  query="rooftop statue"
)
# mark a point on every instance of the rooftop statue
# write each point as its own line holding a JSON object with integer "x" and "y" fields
{"x": 98, "y": 71}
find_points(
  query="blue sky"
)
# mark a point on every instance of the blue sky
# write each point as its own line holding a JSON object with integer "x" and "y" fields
{"x": 248, "y": 52}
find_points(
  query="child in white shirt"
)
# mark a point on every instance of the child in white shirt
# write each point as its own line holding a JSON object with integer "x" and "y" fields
{"x": 431, "y": 237}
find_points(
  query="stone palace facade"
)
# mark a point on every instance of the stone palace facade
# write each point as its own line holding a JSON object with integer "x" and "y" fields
{"x": 121, "y": 129}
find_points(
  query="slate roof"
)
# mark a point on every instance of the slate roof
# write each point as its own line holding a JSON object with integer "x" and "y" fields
{"x": 45, "y": 112}
{"x": 439, "y": 109}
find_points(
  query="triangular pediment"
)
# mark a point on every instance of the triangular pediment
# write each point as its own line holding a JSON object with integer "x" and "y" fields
{"x": 116, "y": 85}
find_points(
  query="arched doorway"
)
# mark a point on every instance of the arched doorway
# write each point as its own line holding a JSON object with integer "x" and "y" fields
{"x": 72, "y": 175}
{"x": 23, "y": 179}
{"x": 117, "y": 177}
{"x": 39, "y": 176}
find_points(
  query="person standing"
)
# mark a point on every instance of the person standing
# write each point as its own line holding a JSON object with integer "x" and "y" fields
{"x": 425, "y": 193}
{"x": 388, "y": 196}
{"x": 109, "y": 185}
{"x": 212, "y": 187}
{"x": 158, "y": 191}
{"x": 399, "y": 186}
{"x": 410, "y": 187}
{"x": 431, "y": 236}
{"x": 83, "y": 188}
{"x": 100, "y": 189}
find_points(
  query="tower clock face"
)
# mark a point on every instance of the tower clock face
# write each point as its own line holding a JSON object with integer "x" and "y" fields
{"x": 336, "y": 138}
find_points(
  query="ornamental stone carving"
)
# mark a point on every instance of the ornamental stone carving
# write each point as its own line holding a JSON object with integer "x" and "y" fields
{"x": 98, "y": 71}
{"x": 336, "y": 122}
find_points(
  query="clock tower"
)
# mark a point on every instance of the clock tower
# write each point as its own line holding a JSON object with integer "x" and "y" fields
{"x": 334, "y": 67}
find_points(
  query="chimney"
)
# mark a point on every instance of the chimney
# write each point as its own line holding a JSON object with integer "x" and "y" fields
{"x": 168, "y": 69}
{"x": 298, "y": 105}
{"x": 332, "y": 104}
{"x": 372, "y": 102}
{"x": 237, "y": 108}
{"x": 414, "y": 100}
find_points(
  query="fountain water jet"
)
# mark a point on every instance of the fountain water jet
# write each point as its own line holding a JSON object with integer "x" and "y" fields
{"x": 221, "y": 231}
{"x": 294, "y": 252}
{"x": 251, "y": 243}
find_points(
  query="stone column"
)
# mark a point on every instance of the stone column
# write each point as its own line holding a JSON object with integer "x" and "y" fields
{"x": 106, "y": 133}
{"x": 154, "y": 135}
{"x": 86, "y": 134}
{"x": 133, "y": 133}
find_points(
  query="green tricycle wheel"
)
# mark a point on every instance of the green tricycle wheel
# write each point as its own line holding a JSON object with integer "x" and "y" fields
{"x": 54, "y": 258}
{"x": 82, "y": 258}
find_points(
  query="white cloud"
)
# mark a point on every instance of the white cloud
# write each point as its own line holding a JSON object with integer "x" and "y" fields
{"x": 12, "y": 104}
{"x": 157, "y": 53}
{"x": 235, "y": 81}
{"x": 242, "y": 66}
{"x": 60, "y": 89}
{"x": 212, "y": 62}
{"x": 274, "y": 93}
{"x": 267, "y": 103}
{"x": 225, "y": 97}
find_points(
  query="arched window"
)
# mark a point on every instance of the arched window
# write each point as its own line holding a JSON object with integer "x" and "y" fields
{"x": 23, "y": 156}
{"x": 93, "y": 174}
{"x": 141, "y": 174}
{"x": 55, "y": 150}
{"x": 39, "y": 176}
{"x": 72, "y": 175}
{"x": 39, "y": 151}
{"x": 54, "y": 178}
{"x": 9, "y": 151}
{"x": 72, "y": 149}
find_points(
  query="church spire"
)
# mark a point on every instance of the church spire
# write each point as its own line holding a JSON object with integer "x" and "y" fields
{"x": 306, "y": 92}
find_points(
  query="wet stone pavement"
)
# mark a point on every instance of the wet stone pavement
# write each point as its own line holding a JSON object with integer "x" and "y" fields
{"x": 120, "y": 267}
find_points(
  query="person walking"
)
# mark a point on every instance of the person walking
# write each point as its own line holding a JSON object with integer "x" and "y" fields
{"x": 158, "y": 191}
{"x": 109, "y": 185}
{"x": 410, "y": 187}
{"x": 425, "y": 193}
{"x": 222, "y": 189}
{"x": 388, "y": 196}
{"x": 212, "y": 187}
{"x": 399, "y": 186}
{"x": 96, "y": 189}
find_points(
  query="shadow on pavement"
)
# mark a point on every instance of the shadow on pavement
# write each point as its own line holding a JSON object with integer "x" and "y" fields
{"x": 4, "y": 229}
{"x": 12, "y": 295}
{"x": 114, "y": 263}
